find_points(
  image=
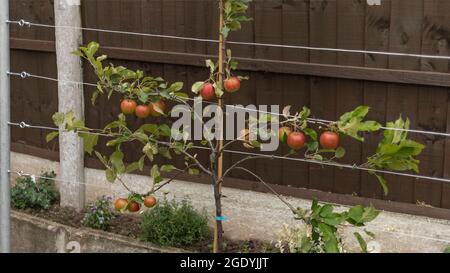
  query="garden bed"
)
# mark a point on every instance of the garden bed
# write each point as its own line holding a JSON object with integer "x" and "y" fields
{"x": 124, "y": 226}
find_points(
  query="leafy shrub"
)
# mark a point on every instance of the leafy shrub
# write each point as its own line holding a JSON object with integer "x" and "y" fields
{"x": 99, "y": 215}
{"x": 321, "y": 232}
{"x": 296, "y": 240}
{"x": 28, "y": 193}
{"x": 174, "y": 224}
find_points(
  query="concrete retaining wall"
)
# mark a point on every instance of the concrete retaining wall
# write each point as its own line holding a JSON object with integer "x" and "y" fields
{"x": 260, "y": 215}
{"x": 36, "y": 235}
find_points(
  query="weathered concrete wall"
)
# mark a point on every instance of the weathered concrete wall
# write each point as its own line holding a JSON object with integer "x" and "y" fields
{"x": 36, "y": 235}
{"x": 260, "y": 215}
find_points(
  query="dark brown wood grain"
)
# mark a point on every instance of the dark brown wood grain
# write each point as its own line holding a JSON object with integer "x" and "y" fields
{"x": 323, "y": 32}
{"x": 330, "y": 83}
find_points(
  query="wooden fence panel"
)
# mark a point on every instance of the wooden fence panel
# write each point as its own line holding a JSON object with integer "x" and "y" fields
{"x": 296, "y": 88}
{"x": 377, "y": 29}
{"x": 322, "y": 25}
{"x": 330, "y": 83}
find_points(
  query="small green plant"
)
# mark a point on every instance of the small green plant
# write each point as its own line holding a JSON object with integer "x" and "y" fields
{"x": 172, "y": 223}
{"x": 321, "y": 231}
{"x": 295, "y": 240}
{"x": 447, "y": 249}
{"x": 34, "y": 193}
{"x": 99, "y": 215}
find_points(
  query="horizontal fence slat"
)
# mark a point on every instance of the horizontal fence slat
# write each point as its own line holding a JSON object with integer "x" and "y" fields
{"x": 258, "y": 65}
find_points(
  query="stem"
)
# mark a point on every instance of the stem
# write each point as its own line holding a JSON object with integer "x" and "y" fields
{"x": 237, "y": 163}
{"x": 188, "y": 155}
{"x": 294, "y": 210}
{"x": 218, "y": 230}
{"x": 171, "y": 179}
{"x": 217, "y": 246}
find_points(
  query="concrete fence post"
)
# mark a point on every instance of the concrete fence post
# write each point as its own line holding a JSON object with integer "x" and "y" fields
{"x": 70, "y": 98}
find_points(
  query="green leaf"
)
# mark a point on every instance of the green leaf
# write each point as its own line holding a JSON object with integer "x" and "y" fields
{"x": 211, "y": 65}
{"x": 340, "y": 152}
{"x": 359, "y": 215}
{"x": 165, "y": 152}
{"x": 192, "y": 171}
{"x": 142, "y": 137}
{"x": 117, "y": 161}
{"x": 235, "y": 25}
{"x": 175, "y": 87}
{"x": 181, "y": 95}
{"x": 165, "y": 130}
{"x": 51, "y": 136}
{"x": 312, "y": 146}
{"x": 167, "y": 168}
{"x": 59, "y": 118}
{"x": 383, "y": 184}
{"x": 351, "y": 123}
{"x": 149, "y": 128}
{"x": 111, "y": 175}
{"x": 447, "y": 250}
{"x": 102, "y": 158}
{"x": 255, "y": 144}
{"x": 196, "y": 87}
{"x": 225, "y": 31}
{"x": 90, "y": 141}
{"x": 329, "y": 237}
{"x": 370, "y": 234}
{"x": 361, "y": 241}
{"x": 150, "y": 149}
{"x": 132, "y": 167}
{"x": 218, "y": 90}
{"x": 92, "y": 48}
{"x": 311, "y": 133}
{"x": 77, "y": 53}
{"x": 116, "y": 141}
{"x": 155, "y": 174}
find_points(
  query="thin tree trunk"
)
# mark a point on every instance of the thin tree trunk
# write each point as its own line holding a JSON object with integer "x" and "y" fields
{"x": 218, "y": 231}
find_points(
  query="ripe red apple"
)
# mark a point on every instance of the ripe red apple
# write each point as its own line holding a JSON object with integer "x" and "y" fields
{"x": 128, "y": 106}
{"x": 329, "y": 140}
{"x": 150, "y": 201}
{"x": 232, "y": 84}
{"x": 208, "y": 92}
{"x": 143, "y": 111}
{"x": 120, "y": 204}
{"x": 134, "y": 207}
{"x": 296, "y": 140}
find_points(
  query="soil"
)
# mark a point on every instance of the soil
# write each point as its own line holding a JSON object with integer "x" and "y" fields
{"x": 129, "y": 225}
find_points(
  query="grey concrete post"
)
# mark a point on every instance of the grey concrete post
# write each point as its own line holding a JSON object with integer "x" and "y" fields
{"x": 5, "y": 218}
{"x": 70, "y": 98}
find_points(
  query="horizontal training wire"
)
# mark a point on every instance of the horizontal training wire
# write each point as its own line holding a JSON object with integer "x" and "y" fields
{"x": 25, "y": 74}
{"x": 22, "y": 23}
{"x": 21, "y": 173}
{"x": 24, "y": 125}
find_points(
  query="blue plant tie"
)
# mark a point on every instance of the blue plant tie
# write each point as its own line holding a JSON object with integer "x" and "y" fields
{"x": 221, "y": 218}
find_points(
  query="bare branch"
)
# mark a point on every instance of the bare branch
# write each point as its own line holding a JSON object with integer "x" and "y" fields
{"x": 171, "y": 179}
{"x": 294, "y": 210}
{"x": 188, "y": 155}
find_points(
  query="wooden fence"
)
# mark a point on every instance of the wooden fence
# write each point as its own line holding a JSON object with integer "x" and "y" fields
{"x": 329, "y": 83}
